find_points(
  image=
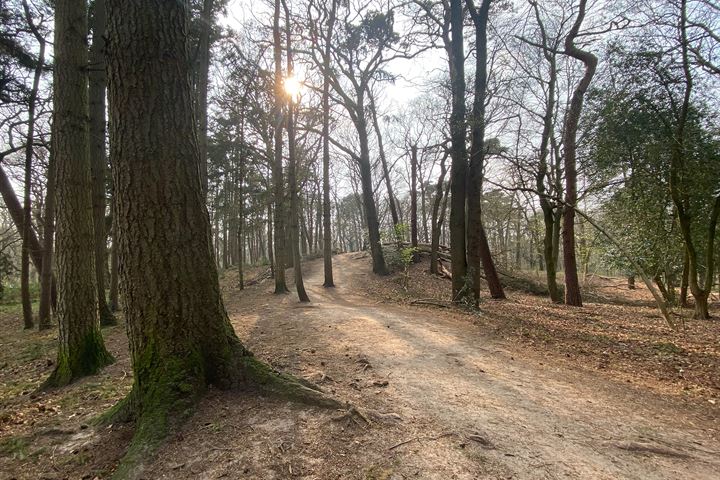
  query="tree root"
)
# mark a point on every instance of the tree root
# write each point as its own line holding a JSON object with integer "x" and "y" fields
{"x": 175, "y": 402}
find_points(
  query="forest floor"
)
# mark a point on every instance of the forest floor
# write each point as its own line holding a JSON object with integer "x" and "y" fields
{"x": 521, "y": 388}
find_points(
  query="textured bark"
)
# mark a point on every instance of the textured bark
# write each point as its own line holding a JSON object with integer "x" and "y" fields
{"x": 180, "y": 337}
{"x": 98, "y": 158}
{"x": 281, "y": 259}
{"x": 478, "y": 249}
{"x": 201, "y": 88}
{"x": 326, "y": 216}
{"x": 458, "y": 153}
{"x": 81, "y": 350}
{"x": 572, "y": 119}
{"x": 29, "y": 152}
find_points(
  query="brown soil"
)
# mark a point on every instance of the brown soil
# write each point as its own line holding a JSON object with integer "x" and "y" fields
{"x": 525, "y": 389}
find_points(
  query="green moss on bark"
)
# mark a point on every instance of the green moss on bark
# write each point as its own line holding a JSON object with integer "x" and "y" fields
{"x": 85, "y": 357}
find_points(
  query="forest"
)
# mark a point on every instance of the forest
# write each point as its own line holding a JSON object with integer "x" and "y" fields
{"x": 342, "y": 239}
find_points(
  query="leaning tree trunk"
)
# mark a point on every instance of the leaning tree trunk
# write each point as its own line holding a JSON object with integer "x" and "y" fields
{"x": 327, "y": 227}
{"x": 368, "y": 197}
{"x": 572, "y": 119}
{"x": 458, "y": 171}
{"x": 478, "y": 249}
{"x": 385, "y": 169}
{"x": 98, "y": 159}
{"x": 281, "y": 256}
{"x": 16, "y": 213}
{"x": 81, "y": 350}
{"x": 181, "y": 340}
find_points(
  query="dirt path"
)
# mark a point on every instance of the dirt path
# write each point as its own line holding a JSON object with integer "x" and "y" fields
{"x": 471, "y": 406}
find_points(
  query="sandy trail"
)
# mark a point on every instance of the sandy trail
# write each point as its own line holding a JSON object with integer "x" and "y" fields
{"x": 472, "y": 407}
{"x": 538, "y": 420}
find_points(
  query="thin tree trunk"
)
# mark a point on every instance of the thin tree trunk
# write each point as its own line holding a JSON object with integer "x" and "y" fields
{"x": 383, "y": 162}
{"x": 271, "y": 257}
{"x": 114, "y": 265}
{"x": 684, "y": 281}
{"x": 478, "y": 250}
{"x": 292, "y": 168}
{"x": 281, "y": 257}
{"x": 46, "y": 275}
{"x": 29, "y": 152}
{"x": 437, "y": 217}
{"x": 98, "y": 159}
{"x": 458, "y": 172}
{"x": 572, "y": 119}
{"x": 551, "y": 223}
{"x": 81, "y": 349}
{"x": 413, "y": 201}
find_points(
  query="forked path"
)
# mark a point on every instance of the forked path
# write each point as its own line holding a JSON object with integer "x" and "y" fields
{"x": 473, "y": 407}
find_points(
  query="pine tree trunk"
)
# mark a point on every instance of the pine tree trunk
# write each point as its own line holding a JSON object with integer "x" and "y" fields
{"x": 181, "y": 340}
{"x": 81, "y": 349}
{"x": 98, "y": 159}
{"x": 201, "y": 88}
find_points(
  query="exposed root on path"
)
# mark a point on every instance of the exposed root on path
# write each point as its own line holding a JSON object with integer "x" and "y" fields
{"x": 175, "y": 403}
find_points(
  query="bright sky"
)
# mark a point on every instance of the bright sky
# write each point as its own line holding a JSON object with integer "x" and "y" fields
{"x": 411, "y": 73}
